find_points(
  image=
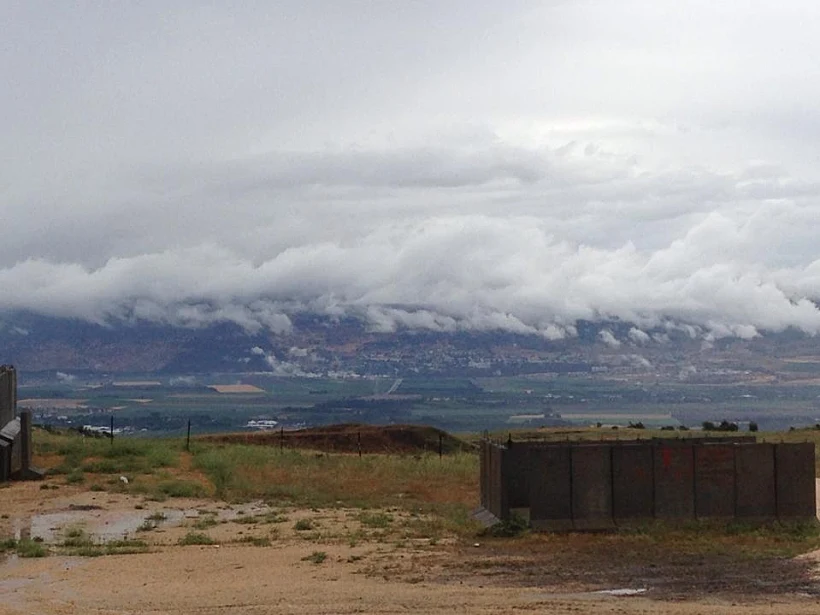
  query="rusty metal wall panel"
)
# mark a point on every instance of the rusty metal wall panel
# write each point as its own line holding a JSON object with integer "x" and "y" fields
{"x": 482, "y": 474}
{"x": 493, "y": 498}
{"x": 517, "y": 471}
{"x": 633, "y": 489}
{"x": 674, "y": 473}
{"x": 755, "y": 482}
{"x": 551, "y": 488}
{"x": 795, "y": 476}
{"x": 591, "y": 486}
{"x": 496, "y": 496}
{"x": 715, "y": 480}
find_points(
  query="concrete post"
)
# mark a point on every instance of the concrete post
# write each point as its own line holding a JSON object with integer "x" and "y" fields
{"x": 25, "y": 442}
{"x": 8, "y": 394}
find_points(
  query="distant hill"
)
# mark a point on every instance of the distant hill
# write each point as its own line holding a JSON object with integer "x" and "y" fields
{"x": 323, "y": 346}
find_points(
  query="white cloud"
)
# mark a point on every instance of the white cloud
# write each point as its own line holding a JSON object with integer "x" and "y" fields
{"x": 443, "y": 166}
{"x": 639, "y": 337}
{"x": 607, "y": 338}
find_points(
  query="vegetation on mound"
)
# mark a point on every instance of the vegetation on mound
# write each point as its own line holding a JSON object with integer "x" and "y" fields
{"x": 447, "y": 486}
{"x": 160, "y": 468}
{"x": 354, "y": 437}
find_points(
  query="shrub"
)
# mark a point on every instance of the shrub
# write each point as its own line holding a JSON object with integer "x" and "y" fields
{"x": 180, "y": 489}
{"x": 317, "y": 557}
{"x": 514, "y": 526}
{"x": 31, "y": 548}
{"x": 302, "y": 525}
{"x": 256, "y": 541}
{"x": 727, "y": 426}
{"x": 196, "y": 538}
{"x": 376, "y": 520}
{"x": 75, "y": 477}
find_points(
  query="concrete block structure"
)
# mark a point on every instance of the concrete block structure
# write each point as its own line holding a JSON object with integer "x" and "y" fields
{"x": 563, "y": 486}
{"x": 15, "y": 431}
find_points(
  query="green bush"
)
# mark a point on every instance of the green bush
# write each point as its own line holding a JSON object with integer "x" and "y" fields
{"x": 303, "y": 525}
{"x": 196, "y": 538}
{"x": 31, "y": 548}
{"x": 317, "y": 557}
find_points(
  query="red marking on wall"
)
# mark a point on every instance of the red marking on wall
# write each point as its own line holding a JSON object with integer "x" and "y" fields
{"x": 667, "y": 458}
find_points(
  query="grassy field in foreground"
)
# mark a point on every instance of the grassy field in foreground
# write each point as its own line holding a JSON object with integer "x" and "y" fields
{"x": 444, "y": 488}
{"x": 161, "y": 468}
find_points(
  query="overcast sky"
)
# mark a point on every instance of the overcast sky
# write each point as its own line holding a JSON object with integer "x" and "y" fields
{"x": 438, "y": 164}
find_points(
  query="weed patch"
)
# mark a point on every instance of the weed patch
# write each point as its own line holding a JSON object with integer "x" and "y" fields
{"x": 180, "y": 489}
{"x": 30, "y": 548}
{"x": 375, "y": 520}
{"x": 317, "y": 557}
{"x": 303, "y": 525}
{"x": 256, "y": 541}
{"x": 196, "y": 538}
{"x": 204, "y": 522}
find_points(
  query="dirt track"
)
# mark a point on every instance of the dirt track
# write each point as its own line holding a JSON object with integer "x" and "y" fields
{"x": 369, "y": 575}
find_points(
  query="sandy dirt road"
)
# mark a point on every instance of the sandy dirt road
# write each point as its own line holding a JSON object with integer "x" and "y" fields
{"x": 240, "y": 579}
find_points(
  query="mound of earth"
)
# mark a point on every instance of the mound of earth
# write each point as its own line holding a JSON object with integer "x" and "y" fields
{"x": 352, "y": 437}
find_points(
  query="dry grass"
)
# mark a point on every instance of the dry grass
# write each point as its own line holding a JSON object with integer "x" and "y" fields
{"x": 425, "y": 483}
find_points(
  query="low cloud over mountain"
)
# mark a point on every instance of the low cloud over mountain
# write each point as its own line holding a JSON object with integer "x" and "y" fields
{"x": 461, "y": 168}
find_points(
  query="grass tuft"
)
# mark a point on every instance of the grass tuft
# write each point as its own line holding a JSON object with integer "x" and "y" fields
{"x": 317, "y": 557}
{"x": 30, "y": 548}
{"x": 303, "y": 525}
{"x": 196, "y": 538}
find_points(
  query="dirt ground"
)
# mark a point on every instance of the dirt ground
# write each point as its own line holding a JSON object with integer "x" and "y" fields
{"x": 285, "y": 560}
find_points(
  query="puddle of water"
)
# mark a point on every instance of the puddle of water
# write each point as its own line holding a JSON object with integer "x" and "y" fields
{"x": 622, "y": 592}
{"x": 107, "y": 525}
{"x": 102, "y": 525}
{"x": 594, "y": 595}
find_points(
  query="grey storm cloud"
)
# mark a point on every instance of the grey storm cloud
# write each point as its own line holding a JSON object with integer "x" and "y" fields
{"x": 445, "y": 166}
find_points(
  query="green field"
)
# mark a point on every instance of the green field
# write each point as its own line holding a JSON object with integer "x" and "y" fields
{"x": 455, "y": 404}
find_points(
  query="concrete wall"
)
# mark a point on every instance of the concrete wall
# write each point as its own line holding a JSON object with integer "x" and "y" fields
{"x": 493, "y": 484}
{"x": 715, "y": 480}
{"x": 674, "y": 481}
{"x": 795, "y": 482}
{"x": 11, "y": 450}
{"x": 15, "y": 432}
{"x": 633, "y": 487}
{"x": 8, "y": 394}
{"x": 591, "y": 487}
{"x": 550, "y": 497}
{"x": 756, "y": 497}
{"x": 583, "y": 485}
{"x": 518, "y": 466}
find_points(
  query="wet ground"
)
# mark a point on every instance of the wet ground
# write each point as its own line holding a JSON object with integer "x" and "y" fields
{"x": 261, "y": 562}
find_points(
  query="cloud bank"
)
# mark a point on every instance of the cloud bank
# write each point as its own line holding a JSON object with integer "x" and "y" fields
{"x": 458, "y": 167}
